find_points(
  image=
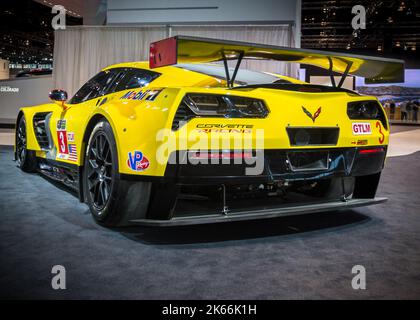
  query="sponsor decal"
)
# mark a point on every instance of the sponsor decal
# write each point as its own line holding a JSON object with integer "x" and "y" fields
{"x": 360, "y": 142}
{"x": 224, "y": 128}
{"x": 314, "y": 116}
{"x": 152, "y": 94}
{"x": 70, "y": 136}
{"x": 62, "y": 141}
{"x": 61, "y": 124}
{"x": 382, "y": 137}
{"x": 62, "y": 156}
{"x": 137, "y": 161}
{"x": 72, "y": 152}
{"x": 361, "y": 128}
{"x": 149, "y": 95}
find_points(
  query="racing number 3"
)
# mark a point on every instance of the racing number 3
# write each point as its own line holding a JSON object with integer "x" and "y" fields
{"x": 62, "y": 141}
{"x": 382, "y": 137}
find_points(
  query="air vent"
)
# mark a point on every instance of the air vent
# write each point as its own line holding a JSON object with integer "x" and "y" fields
{"x": 182, "y": 114}
{"x": 308, "y": 160}
{"x": 40, "y": 128}
{"x": 313, "y": 136}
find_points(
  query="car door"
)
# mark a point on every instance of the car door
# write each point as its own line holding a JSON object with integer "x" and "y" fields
{"x": 68, "y": 123}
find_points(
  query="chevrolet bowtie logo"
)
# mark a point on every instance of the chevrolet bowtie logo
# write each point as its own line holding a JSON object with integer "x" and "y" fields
{"x": 313, "y": 117}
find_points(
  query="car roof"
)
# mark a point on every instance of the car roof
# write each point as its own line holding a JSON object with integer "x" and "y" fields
{"x": 212, "y": 70}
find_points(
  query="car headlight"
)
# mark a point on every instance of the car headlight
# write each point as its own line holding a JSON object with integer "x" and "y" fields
{"x": 215, "y": 105}
{"x": 366, "y": 110}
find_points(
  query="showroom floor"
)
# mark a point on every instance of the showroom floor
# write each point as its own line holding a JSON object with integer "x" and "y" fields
{"x": 303, "y": 257}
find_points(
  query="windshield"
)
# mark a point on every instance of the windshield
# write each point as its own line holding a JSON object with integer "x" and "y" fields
{"x": 243, "y": 77}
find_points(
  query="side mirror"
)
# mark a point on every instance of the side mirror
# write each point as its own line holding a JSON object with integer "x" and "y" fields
{"x": 58, "y": 95}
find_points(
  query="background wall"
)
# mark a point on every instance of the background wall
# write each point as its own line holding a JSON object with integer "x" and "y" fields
{"x": 349, "y": 82}
{"x": 31, "y": 91}
{"x": 4, "y": 69}
{"x": 81, "y": 52}
{"x": 200, "y": 11}
{"x": 175, "y": 12}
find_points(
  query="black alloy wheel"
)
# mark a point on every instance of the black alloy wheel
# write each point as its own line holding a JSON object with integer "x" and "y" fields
{"x": 112, "y": 200}
{"x": 100, "y": 171}
{"x": 25, "y": 158}
{"x": 21, "y": 142}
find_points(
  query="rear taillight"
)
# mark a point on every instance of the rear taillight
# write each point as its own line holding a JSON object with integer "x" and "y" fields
{"x": 218, "y": 106}
{"x": 366, "y": 110}
{"x": 371, "y": 150}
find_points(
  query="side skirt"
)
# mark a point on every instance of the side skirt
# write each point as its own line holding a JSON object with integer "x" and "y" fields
{"x": 67, "y": 176}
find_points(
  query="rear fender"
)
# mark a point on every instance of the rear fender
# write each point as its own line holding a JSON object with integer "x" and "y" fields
{"x": 135, "y": 124}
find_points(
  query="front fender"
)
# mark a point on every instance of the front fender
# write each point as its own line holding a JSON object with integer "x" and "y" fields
{"x": 28, "y": 113}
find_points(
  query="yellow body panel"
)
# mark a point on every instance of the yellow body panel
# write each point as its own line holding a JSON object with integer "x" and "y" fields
{"x": 137, "y": 123}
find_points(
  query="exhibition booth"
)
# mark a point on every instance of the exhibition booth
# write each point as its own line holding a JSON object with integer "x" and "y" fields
{"x": 212, "y": 149}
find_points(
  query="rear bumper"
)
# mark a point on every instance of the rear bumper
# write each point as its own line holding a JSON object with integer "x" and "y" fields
{"x": 342, "y": 162}
{"x": 263, "y": 213}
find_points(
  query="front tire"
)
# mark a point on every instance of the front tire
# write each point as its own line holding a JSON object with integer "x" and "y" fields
{"x": 112, "y": 201}
{"x": 25, "y": 158}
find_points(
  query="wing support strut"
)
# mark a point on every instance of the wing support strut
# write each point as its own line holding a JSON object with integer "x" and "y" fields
{"x": 343, "y": 76}
{"x": 230, "y": 80}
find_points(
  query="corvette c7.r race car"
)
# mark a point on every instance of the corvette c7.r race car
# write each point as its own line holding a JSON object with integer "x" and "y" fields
{"x": 141, "y": 140}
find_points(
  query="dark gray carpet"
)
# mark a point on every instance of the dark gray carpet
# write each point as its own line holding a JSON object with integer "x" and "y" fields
{"x": 395, "y": 128}
{"x": 305, "y": 257}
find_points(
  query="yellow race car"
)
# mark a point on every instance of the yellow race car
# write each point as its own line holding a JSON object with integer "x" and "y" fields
{"x": 181, "y": 139}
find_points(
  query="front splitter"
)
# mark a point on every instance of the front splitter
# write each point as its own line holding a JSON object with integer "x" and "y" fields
{"x": 261, "y": 213}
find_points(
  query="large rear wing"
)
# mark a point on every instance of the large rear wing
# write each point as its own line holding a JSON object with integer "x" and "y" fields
{"x": 185, "y": 49}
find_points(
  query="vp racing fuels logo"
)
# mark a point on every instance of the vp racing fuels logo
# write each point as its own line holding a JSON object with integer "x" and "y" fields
{"x": 312, "y": 117}
{"x": 137, "y": 161}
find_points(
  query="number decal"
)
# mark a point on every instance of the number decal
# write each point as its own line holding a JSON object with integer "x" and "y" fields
{"x": 382, "y": 137}
{"x": 62, "y": 141}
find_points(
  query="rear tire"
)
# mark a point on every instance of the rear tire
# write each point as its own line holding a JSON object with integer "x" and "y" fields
{"x": 112, "y": 201}
{"x": 25, "y": 158}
